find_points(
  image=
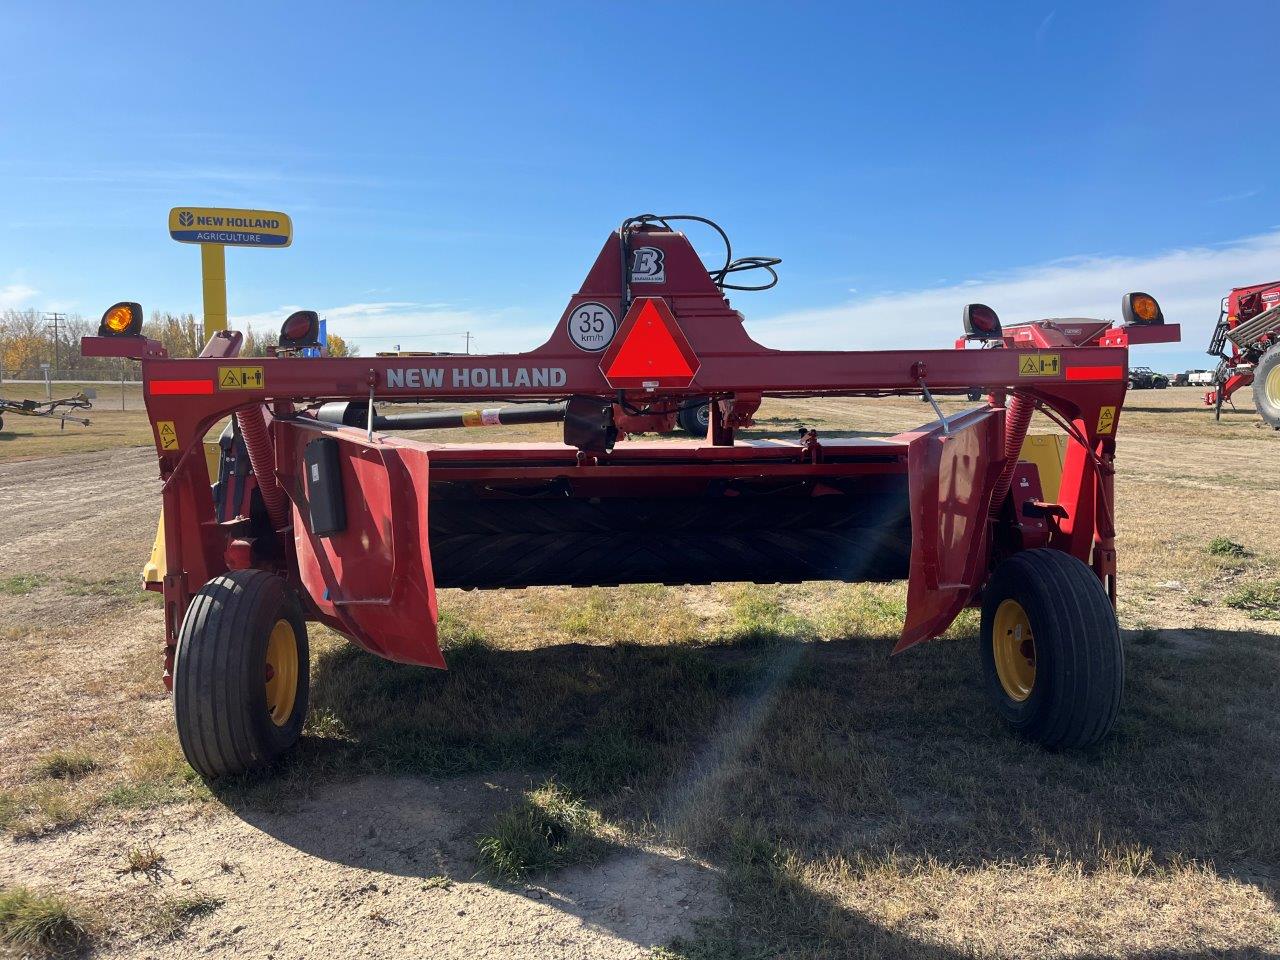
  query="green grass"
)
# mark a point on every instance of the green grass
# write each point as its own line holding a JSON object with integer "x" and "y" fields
{"x": 124, "y": 585}
{"x": 1222, "y": 547}
{"x": 67, "y": 764}
{"x": 1145, "y": 634}
{"x": 759, "y": 613}
{"x": 148, "y": 793}
{"x": 159, "y": 776}
{"x": 43, "y": 922}
{"x": 547, "y": 830}
{"x": 640, "y": 612}
{"x": 595, "y": 717}
{"x": 20, "y": 584}
{"x": 33, "y": 810}
{"x": 1261, "y": 601}
{"x": 326, "y": 725}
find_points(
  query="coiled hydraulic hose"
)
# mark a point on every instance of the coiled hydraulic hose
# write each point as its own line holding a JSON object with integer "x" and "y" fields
{"x": 1017, "y": 420}
{"x": 253, "y": 427}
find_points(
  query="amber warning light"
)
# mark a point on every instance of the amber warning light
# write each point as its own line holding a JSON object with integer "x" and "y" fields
{"x": 121, "y": 320}
{"x": 1141, "y": 308}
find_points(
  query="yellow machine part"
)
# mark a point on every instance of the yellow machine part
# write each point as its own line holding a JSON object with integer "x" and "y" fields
{"x": 154, "y": 571}
{"x": 1046, "y": 451}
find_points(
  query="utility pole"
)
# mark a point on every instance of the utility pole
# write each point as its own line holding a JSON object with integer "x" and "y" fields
{"x": 467, "y": 334}
{"x": 56, "y": 317}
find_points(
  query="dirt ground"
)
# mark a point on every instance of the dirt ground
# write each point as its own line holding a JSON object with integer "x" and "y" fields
{"x": 767, "y": 781}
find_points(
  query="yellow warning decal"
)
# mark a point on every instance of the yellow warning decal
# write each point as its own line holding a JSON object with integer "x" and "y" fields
{"x": 1106, "y": 420}
{"x": 241, "y": 378}
{"x": 1040, "y": 365}
{"x": 167, "y": 434}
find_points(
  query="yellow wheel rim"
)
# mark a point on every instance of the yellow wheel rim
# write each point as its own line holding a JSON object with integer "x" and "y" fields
{"x": 282, "y": 672}
{"x": 1015, "y": 650}
{"x": 1271, "y": 388}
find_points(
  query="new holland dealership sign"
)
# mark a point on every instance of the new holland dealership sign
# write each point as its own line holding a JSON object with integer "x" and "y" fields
{"x": 240, "y": 228}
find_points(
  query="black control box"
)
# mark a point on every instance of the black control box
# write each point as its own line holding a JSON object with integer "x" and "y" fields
{"x": 324, "y": 487}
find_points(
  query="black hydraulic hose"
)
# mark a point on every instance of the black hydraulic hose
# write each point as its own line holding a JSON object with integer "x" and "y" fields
{"x": 740, "y": 265}
{"x": 492, "y": 417}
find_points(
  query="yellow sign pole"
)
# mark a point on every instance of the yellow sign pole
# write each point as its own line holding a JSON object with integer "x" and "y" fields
{"x": 216, "y": 228}
{"x": 213, "y": 268}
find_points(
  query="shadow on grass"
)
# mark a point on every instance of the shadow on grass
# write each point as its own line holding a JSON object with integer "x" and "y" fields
{"x": 805, "y": 753}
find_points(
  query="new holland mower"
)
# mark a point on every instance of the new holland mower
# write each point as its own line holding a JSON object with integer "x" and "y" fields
{"x": 311, "y": 508}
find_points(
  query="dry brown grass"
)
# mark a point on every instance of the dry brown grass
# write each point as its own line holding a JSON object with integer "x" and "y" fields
{"x": 855, "y": 805}
{"x": 40, "y": 923}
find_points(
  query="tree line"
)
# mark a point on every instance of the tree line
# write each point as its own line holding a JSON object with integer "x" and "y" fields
{"x": 29, "y": 338}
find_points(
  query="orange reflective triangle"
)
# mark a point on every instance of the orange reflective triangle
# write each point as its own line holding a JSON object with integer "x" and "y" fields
{"x": 649, "y": 350}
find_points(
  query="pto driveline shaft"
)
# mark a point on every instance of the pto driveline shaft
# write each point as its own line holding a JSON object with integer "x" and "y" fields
{"x": 492, "y": 417}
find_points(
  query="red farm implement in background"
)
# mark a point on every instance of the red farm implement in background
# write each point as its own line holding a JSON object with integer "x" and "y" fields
{"x": 1246, "y": 339}
{"x": 317, "y": 511}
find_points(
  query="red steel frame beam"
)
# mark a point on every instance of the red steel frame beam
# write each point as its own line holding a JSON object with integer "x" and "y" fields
{"x": 192, "y": 400}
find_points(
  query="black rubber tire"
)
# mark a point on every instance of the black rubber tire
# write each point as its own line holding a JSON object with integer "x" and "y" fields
{"x": 974, "y": 393}
{"x": 693, "y": 417}
{"x": 219, "y": 694}
{"x": 1079, "y": 676}
{"x": 1268, "y": 406}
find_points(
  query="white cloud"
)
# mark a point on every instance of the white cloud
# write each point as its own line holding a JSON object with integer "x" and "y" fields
{"x": 415, "y": 326}
{"x": 1042, "y": 31}
{"x": 1232, "y": 197}
{"x": 1189, "y": 283}
{"x": 16, "y": 295}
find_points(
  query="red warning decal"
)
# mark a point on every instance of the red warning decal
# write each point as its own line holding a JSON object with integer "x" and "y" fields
{"x": 650, "y": 350}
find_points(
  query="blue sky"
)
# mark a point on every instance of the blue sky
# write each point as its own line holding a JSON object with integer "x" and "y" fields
{"x": 453, "y": 167}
